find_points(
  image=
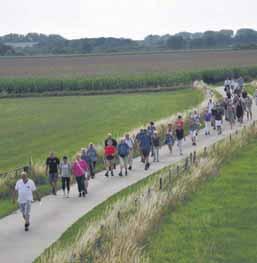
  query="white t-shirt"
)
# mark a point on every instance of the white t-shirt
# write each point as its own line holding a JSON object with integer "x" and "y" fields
{"x": 25, "y": 190}
{"x": 129, "y": 142}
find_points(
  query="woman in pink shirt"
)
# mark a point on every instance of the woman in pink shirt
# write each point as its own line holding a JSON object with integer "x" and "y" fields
{"x": 79, "y": 170}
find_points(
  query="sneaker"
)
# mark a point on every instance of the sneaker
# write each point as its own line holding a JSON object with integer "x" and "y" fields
{"x": 120, "y": 174}
{"x": 83, "y": 194}
{"x": 79, "y": 194}
{"x": 130, "y": 168}
{"x": 112, "y": 173}
{"x": 107, "y": 174}
{"x": 26, "y": 227}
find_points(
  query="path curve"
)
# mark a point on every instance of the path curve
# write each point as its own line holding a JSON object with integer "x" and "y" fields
{"x": 56, "y": 214}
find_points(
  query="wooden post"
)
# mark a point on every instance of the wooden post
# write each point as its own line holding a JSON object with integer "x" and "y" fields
{"x": 191, "y": 158}
{"x": 194, "y": 157}
{"x": 170, "y": 177}
{"x": 205, "y": 151}
{"x": 177, "y": 170}
{"x": 160, "y": 183}
{"x": 186, "y": 164}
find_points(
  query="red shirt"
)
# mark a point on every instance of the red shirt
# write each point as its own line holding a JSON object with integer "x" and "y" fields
{"x": 109, "y": 150}
{"x": 179, "y": 124}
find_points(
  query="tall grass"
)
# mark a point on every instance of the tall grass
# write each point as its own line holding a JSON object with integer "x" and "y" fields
{"x": 22, "y": 86}
{"x": 116, "y": 234}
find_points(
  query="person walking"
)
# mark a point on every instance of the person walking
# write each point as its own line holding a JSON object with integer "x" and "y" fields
{"x": 207, "y": 122}
{"x": 180, "y": 133}
{"x": 79, "y": 170}
{"x": 115, "y": 144}
{"x": 130, "y": 142}
{"x": 52, "y": 167}
{"x": 156, "y": 146}
{"x": 24, "y": 188}
{"x": 109, "y": 154}
{"x": 92, "y": 158}
{"x": 65, "y": 172}
{"x": 219, "y": 119}
{"x": 240, "y": 110}
{"x": 138, "y": 141}
{"x": 255, "y": 96}
{"x": 248, "y": 107}
{"x": 123, "y": 152}
{"x": 150, "y": 130}
{"x": 145, "y": 148}
{"x": 170, "y": 137}
{"x": 230, "y": 112}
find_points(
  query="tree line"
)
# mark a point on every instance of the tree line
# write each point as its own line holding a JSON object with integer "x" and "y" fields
{"x": 34, "y": 43}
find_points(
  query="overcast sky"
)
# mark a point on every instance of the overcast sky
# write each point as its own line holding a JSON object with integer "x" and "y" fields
{"x": 124, "y": 18}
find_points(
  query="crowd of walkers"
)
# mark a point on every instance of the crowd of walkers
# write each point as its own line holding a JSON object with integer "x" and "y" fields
{"x": 236, "y": 106}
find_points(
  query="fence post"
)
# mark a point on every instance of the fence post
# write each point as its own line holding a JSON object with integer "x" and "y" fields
{"x": 191, "y": 158}
{"x": 186, "y": 164}
{"x": 170, "y": 176}
{"x": 205, "y": 150}
{"x": 119, "y": 216}
{"x": 160, "y": 183}
{"x": 194, "y": 157}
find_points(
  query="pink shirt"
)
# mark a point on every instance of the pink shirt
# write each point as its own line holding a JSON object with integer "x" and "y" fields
{"x": 79, "y": 168}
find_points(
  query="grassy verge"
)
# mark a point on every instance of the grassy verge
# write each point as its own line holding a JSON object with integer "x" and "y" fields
{"x": 113, "y": 232}
{"x": 218, "y": 223}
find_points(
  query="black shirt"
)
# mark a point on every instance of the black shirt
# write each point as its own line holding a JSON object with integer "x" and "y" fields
{"x": 114, "y": 142}
{"x": 53, "y": 164}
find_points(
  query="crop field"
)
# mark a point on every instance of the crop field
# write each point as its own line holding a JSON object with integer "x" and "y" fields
{"x": 73, "y": 66}
{"x": 217, "y": 223}
{"x": 35, "y": 126}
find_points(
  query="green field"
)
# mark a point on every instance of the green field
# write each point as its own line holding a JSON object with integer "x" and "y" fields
{"x": 218, "y": 224}
{"x": 35, "y": 126}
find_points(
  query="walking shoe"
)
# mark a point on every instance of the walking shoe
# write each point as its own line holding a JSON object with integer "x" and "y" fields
{"x": 83, "y": 194}
{"x": 130, "y": 168}
{"x": 79, "y": 194}
{"x": 112, "y": 173}
{"x": 107, "y": 174}
{"x": 120, "y": 174}
{"x": 27, "y": 227}
{"x": 126, "y": 173}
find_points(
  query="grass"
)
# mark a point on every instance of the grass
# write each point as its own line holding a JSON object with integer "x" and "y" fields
{"x": 218, "y": 224}
{"x": 35, "y": 126}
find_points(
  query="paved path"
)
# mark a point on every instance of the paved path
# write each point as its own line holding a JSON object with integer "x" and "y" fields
{"x": 56, "y": 214}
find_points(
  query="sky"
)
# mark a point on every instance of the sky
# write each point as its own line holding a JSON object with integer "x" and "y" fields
{"x": 124, "y": 18}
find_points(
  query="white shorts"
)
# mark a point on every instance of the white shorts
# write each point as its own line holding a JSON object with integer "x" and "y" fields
{"x": 218, "y": 123}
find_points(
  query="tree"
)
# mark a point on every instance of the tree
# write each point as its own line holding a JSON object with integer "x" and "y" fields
{"x": 176, "y": 42}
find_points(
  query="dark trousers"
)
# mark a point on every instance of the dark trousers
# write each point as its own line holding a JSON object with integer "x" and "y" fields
{"x": 81, "y": 183}
{"x": 66, "y": 183}
{"x": 92, "y": 166}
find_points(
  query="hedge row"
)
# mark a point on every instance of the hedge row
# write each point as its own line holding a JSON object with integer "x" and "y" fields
{"x": 40, "y": 85}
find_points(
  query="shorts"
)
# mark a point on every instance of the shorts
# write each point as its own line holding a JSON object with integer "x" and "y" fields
{"x": 53, "y": 177}
{"x": 109, "y": 158}
{"x": 123, "y": 161}
{"x": 145, "y": 152}
{"x": 25, "y": 209}
{"x": 193, "y": 133}
{"x": 218, "y": 123}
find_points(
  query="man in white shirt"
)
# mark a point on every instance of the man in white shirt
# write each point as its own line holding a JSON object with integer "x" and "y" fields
{"x": 25, "y": 188}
